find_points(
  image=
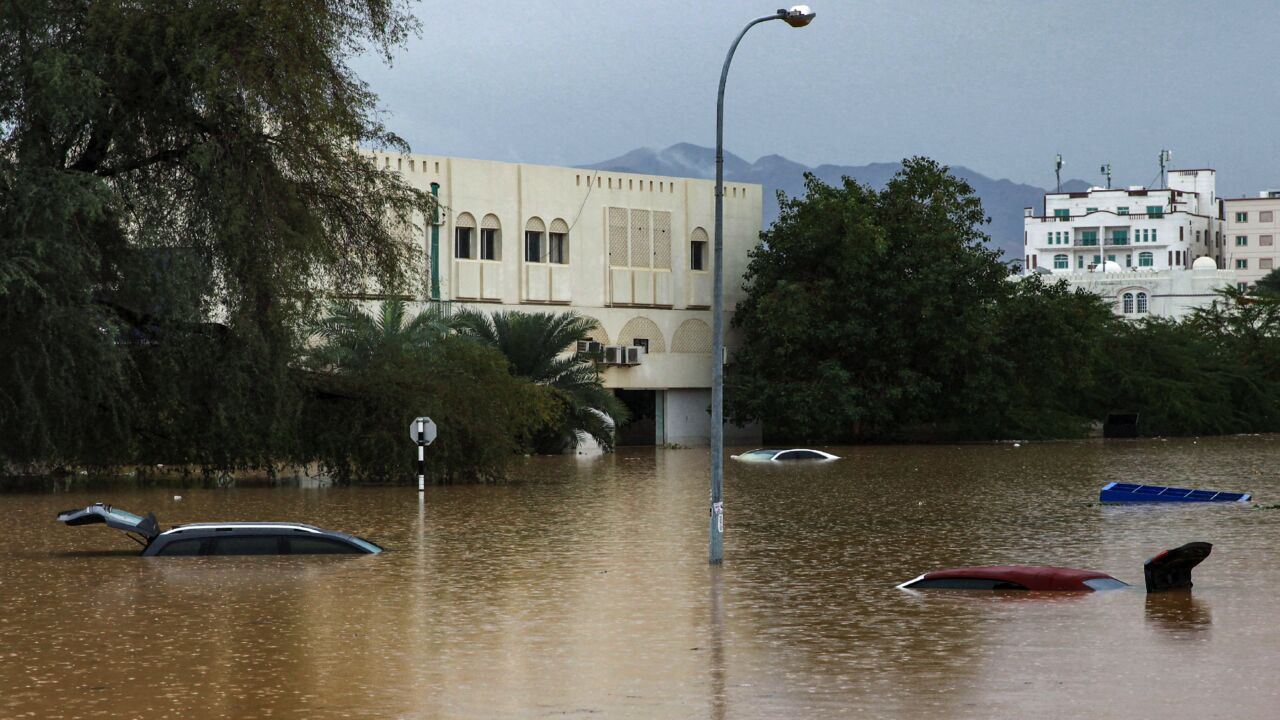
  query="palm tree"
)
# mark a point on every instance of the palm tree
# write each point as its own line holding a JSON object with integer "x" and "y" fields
{"x": 351, "y": 339}
{"x": 539, "y": 346}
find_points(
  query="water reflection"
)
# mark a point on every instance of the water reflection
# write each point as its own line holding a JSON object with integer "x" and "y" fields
{"x": 1178, "y": 614}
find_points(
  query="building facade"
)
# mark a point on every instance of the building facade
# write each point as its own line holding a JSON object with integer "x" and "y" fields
{"x": 1250, "y": 229}
{"x": 1135, "y": 228}
{"x": 1137, "y": 293}
{"x": 631, "y": 251}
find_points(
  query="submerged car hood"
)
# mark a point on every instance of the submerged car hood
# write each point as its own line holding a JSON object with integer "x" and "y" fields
{"x": 147, "y": 527}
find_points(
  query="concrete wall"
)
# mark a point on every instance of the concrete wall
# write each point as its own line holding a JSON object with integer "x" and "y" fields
{"x": 1169, "y": 293}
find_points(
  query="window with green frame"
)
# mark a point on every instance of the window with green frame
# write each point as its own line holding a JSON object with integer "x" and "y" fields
{"x": 1120, "y": 237}
{"x": 1079, "y": 262}
{"x": 1146, "y": 259}
{"x": 1061, "y": 262}
{"x": 1242, "y": 217}
{"x": 1122, "y": 211}
{"x": 1155, "y": 211}
{"x": 1062, "y": 212}
{"x": 1091, "y": 210}
{"x": 1088, "y": 237}
{"x": 1242, "y": 264}
{"x": 1242, "y": 241}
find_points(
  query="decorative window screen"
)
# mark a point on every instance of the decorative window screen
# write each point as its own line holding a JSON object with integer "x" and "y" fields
{"x": 618, "y": 237}
{"x": 641, "y": 236}
{"x": 661, "y": 240}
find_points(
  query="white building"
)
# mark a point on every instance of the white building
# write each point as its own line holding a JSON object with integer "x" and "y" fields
{"x": 1136, "y": 293}
{"x": 1151, "y": 229}
{"x": 1250, "y": 229}
{"x": 631, "y": 251}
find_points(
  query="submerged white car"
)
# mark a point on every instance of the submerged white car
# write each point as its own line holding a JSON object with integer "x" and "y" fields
{"x": 776, "y": 455}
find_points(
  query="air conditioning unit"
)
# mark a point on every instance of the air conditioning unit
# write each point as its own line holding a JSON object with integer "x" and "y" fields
{"x": 615, "y": 354}
{"x": 589, "y": 347}
{"x": 633, "y": 355}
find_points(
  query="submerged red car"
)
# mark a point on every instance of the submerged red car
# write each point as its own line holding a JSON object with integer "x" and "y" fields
{"x": 1170, "y": 570}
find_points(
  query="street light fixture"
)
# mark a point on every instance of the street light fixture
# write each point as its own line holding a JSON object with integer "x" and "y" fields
{"x": 797, "y": 16}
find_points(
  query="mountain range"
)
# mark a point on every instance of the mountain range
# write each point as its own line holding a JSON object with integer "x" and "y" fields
{"x": 1003, "y": 200}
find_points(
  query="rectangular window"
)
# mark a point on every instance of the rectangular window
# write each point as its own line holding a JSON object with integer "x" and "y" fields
{"x": 462, "y": 243}
{"x": 1264, "y": 263}
{"x": 1155, "y": 211}
{"x": 1242, "y": 264}
{"x": 488, "y": 244}
{"x": 1266, "y": 240}
{"x": 1088, "y": 237}
{"x": 1122, "y": 211}
{"x": 698, "y": 255}
{"x": 1242, "y": 287}
{"x": 1079, "y": 262}
{"x": 559, "y": 250}
{"x": 1242, "y": 217}
{"x": 1242, "y": 241}
{"x": 1266, "y": 216}
{"x": 1180, "y": 235}
{"x": 533, "y": 246}
{"x": 1091, "y": 210}
{"x": 1153, "y": 235}
{"x": 1062, "y": 213}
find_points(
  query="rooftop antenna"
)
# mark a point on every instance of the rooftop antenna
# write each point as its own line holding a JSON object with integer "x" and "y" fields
{"x": 1165, "y": 157}
{"x": 1106, "y": 171}
{"x": 1057, "y": 170}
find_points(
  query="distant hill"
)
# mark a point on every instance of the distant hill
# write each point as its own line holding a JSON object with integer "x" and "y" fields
{"x": 1002, "y": 200}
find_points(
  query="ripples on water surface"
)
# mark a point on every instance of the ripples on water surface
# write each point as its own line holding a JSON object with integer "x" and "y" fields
{"x": 584, "y": 592}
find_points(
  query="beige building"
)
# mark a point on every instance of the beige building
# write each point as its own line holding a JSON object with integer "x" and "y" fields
{"x": 1251, "y": 227}
{"x": 631, "y": 251}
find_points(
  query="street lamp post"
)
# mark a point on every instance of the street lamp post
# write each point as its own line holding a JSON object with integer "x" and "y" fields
{"x": 797, "y": 16}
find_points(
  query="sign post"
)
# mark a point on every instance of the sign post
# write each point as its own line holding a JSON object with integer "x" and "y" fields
{"x": 422, "y": 431}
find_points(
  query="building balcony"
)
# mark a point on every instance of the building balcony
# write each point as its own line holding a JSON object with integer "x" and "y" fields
{"x": 1085, "y": 242}
{"x": 1117, "y": 241}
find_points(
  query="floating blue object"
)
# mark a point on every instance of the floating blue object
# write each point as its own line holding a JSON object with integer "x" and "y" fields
{"x": 1129, "y": 492}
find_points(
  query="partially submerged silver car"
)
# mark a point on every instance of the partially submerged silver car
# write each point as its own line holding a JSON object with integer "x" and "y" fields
{"x": 226, "y": 538}
{"x": 782, "y": 455}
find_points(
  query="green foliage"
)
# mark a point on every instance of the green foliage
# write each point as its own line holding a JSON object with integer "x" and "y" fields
{"x": 225, "y": 134}
{"x": 371, "y": 374}
{"x": 1269, "y": 284}
{"x": 538, "y": 346}
{"x": 880, "y": 314}
{"x": 866, "y": 311}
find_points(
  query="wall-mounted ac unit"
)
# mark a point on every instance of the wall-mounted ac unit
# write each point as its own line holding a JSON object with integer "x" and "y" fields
{"x": 633, "y": 355}
{"x": 589, "y": 347}
{"x": 615, "y": 354}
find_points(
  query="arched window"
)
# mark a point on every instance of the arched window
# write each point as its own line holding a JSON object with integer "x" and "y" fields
{"x": 1142, "y": 303}
{"x": 1061, "y": 262}
{"x": 1146, "y": 259}
{"x": 490, "y": 238}
{"x": 1128, "y": 303}
{"x": 464, "y": 231}
{"x": 558, "y": 240}
{"x": 698, "y": 250}
{"x": 534, "y": 232}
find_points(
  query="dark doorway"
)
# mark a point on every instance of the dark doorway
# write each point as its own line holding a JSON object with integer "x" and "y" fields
{"x": 642, "y": 428}
{"x": 1121, "y": 425}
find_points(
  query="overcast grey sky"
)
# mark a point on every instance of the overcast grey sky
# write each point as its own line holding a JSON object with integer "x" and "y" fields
{"x": 999, "y": 86}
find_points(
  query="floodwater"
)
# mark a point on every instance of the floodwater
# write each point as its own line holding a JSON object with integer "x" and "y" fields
{"x": 583, "y": 591}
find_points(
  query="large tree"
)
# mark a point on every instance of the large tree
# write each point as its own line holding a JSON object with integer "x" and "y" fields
{"x": 867, "y": 310}
{"x": 207, "y": 152}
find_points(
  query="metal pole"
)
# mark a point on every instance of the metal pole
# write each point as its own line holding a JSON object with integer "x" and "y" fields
{"x": 422, "y": 459}
{"x": 715, "y": 553}
{"x": 435, "y": 242}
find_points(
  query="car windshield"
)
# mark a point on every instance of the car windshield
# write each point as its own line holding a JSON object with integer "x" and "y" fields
{"x": 125, "y": 516}
{"x": 1105, "y": 584}
{"x": 760, "y": 453}
{"x": 366, "y": 544}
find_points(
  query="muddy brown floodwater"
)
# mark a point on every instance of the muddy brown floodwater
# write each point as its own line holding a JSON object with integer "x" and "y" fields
{"x": 583, "y": 591}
